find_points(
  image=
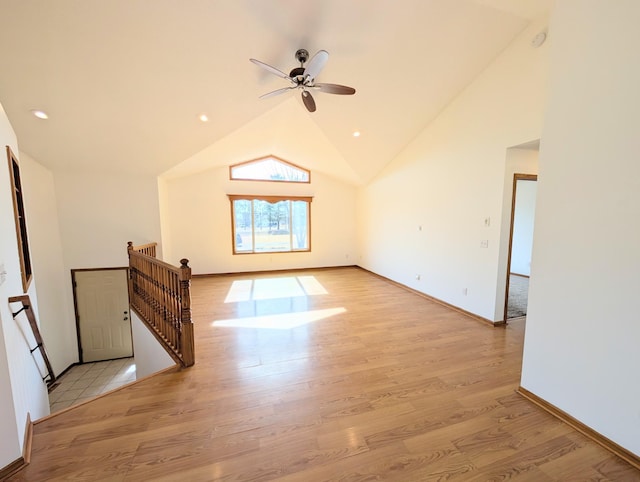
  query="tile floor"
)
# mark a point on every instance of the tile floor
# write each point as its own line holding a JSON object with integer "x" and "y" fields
{"x": 89, "y": 380}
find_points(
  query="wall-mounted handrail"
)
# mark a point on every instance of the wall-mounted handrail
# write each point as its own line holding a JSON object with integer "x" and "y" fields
{"x": 31, "y": 317}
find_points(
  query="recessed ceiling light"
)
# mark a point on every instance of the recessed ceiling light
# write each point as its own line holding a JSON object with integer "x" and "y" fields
{"x": 39, "y": 114}
{"x": 203, "y": 117}
{"x": 356, "y": 134}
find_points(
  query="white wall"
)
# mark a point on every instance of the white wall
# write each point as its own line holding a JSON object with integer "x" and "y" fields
{"x": 9, "y": 431}
{"x": 56, "y": 316}
{"x": 523, "y": 223}
{"x": 21, "y": 389}
{"x": 99, "y": 212}
{"x": 449, "y": 179}
{"x": 163, "y": 206}
{"x": 149, "y": 355}
{"x": 581, "y": 350}
{"x": 521, "y": 161}
{"x": 199, "y": 223}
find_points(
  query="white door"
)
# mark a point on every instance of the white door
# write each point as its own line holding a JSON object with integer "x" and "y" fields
{"x": 104, "y": 323}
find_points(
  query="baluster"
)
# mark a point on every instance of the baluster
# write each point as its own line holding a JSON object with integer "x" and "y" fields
{"x": 160, "y": 294}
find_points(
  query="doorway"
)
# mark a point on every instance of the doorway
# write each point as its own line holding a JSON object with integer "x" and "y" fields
{"x": 101, "y": 300}
{"x": 523, "y": 204}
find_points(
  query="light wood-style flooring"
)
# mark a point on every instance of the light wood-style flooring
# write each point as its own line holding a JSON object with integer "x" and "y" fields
{"x": 324, "y": 375}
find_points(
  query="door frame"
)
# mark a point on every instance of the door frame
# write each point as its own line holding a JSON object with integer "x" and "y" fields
{"x": 75, "y": 300}
{"x": 516, "y": 177}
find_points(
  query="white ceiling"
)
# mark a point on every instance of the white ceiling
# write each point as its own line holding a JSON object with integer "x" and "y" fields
{"x": 124, "y": 81}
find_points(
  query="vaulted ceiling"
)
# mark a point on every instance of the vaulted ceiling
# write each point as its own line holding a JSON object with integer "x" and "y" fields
{"x": 124, "y": 81}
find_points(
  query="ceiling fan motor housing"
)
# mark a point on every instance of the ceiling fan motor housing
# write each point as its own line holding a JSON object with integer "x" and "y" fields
{"x": 296, "y": 74}
{"x": 302, "y": 55}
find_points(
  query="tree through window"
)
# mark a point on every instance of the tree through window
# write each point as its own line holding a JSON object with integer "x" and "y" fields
{"x": 269, "y": 168}
{"x": 270, "y": 224}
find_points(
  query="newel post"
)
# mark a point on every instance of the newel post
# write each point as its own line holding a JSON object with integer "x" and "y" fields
{"x": 186, "y": 340}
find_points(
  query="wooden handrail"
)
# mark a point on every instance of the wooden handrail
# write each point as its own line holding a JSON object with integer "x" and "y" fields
{"x": 31, "y": 317}
{"x": 160, "y": 294}
{"x": 149, "y": 249}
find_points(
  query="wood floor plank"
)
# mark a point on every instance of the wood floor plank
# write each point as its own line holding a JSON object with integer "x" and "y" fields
{"x": 386, "y": 386}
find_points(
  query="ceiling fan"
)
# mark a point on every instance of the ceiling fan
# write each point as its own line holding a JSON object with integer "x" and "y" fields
{"x": 304, "y": 78}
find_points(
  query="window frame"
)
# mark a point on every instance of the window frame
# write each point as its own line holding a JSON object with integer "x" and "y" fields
{"x": 17, "y": 196}
{"x": 270, "y": 156}
{"x": 270, "y": 200}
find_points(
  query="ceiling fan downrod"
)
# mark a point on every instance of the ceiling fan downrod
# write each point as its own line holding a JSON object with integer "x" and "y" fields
{"x": 302, "y": 55}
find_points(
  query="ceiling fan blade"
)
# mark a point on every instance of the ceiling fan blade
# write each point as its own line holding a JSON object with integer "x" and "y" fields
{"x": 309, "y": 103}
{"x": 335, "y": 89}
{"x": 276, "y": 92}
{"x": 315, "y": 65}
{"x": 271, "y": 69}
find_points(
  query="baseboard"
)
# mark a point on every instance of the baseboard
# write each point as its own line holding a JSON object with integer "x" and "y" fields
{"x": 28, "y": 439}
{"x": 23, "y": 461}
{"x": 436, "y": 300}
{"x": 585, "y": 430}
{"x": 12, "y": 468}
{"x": 53, "y": 386}
{"x": 400, "y": 285}
{"x": 63, "y": 372}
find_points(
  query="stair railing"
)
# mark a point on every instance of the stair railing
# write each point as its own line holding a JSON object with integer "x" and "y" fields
{"x": 160, "y": 294}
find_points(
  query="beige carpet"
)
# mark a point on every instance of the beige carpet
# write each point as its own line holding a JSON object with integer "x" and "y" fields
{"x": 518, "y": 296}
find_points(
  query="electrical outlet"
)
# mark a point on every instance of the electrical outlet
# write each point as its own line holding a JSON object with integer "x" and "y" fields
{"x": 484, "y": 243}
{"x": 487, "y": 221}
{"x": 418, "y": 277}
{"x": 465, "y": 291}
{"x": 3, "y": 274}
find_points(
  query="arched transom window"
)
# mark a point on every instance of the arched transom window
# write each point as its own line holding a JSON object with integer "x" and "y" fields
{"x": 270, "y": 223}
{"x": 269, "y": 168}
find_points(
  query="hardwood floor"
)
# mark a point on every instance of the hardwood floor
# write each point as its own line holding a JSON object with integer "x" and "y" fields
{"x": 356, "y": 380}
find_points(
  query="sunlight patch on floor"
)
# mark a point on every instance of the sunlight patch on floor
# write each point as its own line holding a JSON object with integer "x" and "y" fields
{"x": 312, "y": 286}
{"x": 240, "y": 291}
{"x": 284, "y": 321}
{"x": 272, "y": 288}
